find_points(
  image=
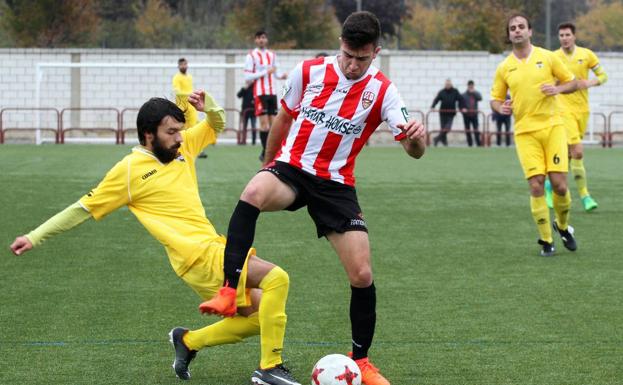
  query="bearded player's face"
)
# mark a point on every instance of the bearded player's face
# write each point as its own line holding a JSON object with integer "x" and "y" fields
{"x": 167, "y": 140}
{"x": 354, "y": 62}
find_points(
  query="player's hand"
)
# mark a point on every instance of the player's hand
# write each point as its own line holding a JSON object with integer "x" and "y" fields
{"x": 197, "y": 99}
{"x": 507, "y": 107}
{"x": 271, "y": 70}
{"x": 415, "y": 131}
{"x": 21, "y": 245}
{"x": 284, "y": 77}
{"x": 549, "y": 89}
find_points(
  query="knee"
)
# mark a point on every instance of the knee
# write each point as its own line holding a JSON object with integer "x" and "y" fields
{"x": 560, "y": 188}
{"x": 576, "y": 153}
{"x": 361, "y": 277}
{"x": 253, "y": 195}
{"x": 536, "y": 188}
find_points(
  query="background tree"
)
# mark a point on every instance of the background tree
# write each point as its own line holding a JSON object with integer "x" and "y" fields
{"x": 602, "y": 28}
{"x": 390, "y": 13}
{"x": 51, "y": 23}
{"x": 298, "y": 24}
{"x": 157, "y": 26}
{"x": 424, "y": 28}
{"x": 118, "y": 24}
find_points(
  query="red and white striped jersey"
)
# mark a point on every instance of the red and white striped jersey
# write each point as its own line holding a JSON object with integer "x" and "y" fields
{"x": 256, "y": 68}
{"x": 335, "y": 116}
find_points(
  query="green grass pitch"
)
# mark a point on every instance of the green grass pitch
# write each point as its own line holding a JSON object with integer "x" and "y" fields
{"x": 463, "y": 297}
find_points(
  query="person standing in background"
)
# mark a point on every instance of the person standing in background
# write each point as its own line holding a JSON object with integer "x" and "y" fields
{"x": 260, "y": 69}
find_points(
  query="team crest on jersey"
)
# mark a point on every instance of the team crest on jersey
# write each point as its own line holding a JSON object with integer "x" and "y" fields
{"x": 180, "y": 157}
{"x": 367, "y": 99}
{"x": 539, "y": 64}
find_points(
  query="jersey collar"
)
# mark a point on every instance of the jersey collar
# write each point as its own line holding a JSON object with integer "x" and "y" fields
{"x": 146, "y": 152}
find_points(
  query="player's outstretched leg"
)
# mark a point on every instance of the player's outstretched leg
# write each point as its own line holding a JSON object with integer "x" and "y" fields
{"x": 183, "y": 355}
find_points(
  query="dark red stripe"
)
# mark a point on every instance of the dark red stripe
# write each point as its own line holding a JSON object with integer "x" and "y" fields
{"x": 372, "y": 122}
{"x": 333, "y": 140}
{"x": 300, "y": 143}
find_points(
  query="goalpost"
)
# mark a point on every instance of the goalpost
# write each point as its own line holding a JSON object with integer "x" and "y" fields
{"x": 117, "y": 85}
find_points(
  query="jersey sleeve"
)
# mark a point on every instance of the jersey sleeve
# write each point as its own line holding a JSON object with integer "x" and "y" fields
{"x": 110, "y": 194}
{"x": 560, "y": 70}
{"x": 394, "y": 112}
{"x": 198, "y": 137}
{"x": 598, "y": 70}
{"x": 293, "y": 90}
{"x": 499, "y": 87}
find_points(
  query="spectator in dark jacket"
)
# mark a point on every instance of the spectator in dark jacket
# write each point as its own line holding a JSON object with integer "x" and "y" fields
{"x": 247, "y": 111}
{"x": 449, "y": 98}
{"x": 470, "y": 99}
{"x": 503, "y": 120}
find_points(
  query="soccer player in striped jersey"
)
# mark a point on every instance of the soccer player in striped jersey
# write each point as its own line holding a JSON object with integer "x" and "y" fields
{"x": 158, "y": 183}
{"x": 261, "y": 69}
{"x": 535, "y": 76}
{"x": 576, "y": 108}
{"x": 331, "y": 106}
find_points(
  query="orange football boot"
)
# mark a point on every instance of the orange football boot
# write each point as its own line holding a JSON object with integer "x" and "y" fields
{"x": 369, "y": 373}
{"x": 223, "y": 303}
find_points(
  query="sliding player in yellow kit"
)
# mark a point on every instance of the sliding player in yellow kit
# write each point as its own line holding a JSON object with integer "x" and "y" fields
{"x": 158, "y": 183}
{"x": 535, "y": 76}
{"x": 576, "y": 108}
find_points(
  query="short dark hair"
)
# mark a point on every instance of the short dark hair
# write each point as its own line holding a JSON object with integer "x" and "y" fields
{"x": 180, "y": 60}
{"x": 260, "y": 33}
{"x": 151, "y": 114}
{"x": 470, "y": 82}
{"x": 567, "y": 25}
{"x": 514, "y": 15}
{"x": 361, "y": 28}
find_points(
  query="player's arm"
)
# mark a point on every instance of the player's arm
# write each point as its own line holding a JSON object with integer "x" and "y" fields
{"x": 414, "y": 141}
{"x": 205, "y": 132}
{"x": 436, "y": 100}
{"x": 566, "y": 80}
{"x": 65, "y": 220}
{"x": 278, "y": 131}
{"x": 499, "y": 89}
{"x": 250, "y": 74}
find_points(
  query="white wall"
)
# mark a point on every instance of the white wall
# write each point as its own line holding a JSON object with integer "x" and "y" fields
{"x": 418, "y": 75}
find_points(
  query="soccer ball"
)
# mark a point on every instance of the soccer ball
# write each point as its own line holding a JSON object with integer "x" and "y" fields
{"x": 336, "y": 369}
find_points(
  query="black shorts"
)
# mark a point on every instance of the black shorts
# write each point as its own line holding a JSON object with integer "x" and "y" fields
{"x": 333, "y": 206}
{"x": 266, "y": 105}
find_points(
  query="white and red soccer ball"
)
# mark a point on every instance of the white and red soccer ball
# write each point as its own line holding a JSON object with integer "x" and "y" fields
{"x": 336, "y": 369}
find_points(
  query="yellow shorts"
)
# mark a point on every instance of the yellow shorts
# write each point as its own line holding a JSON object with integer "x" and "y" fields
{"x": 575, "y": 123}
{"x": 206, "y": 275}
{"x": 543, "y": 151}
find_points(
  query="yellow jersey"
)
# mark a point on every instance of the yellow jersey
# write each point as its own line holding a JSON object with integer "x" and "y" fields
{"x": 579, "y": 62}
{"x": 532, "y": 109}
{"x": 163, "y": 197}
{"x": 182, "y": 84}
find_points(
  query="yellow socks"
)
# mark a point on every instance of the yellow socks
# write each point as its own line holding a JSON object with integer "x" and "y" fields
{"x": 227, "y": 331}
{"x": 579, "y": 174}
{"x": 272, "y": 316}
{"x": 561, "y": 208}
{"x": 540, "y": 213}
{"x": 270, "y": 320}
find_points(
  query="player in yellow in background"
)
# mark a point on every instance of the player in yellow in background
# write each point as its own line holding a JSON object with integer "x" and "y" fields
{"x": 157, "y": 181}
{"x": 576, "y": 108}
{"x": 535, "y": 77}
{"x": 182, "y": 88}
